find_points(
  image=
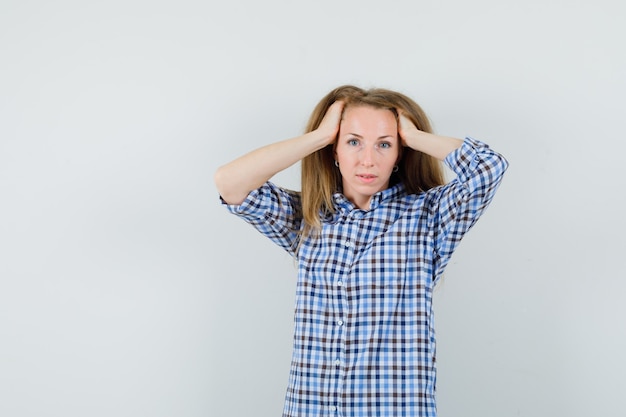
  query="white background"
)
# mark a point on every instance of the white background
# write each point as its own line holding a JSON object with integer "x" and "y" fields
{"x": 126, "y": 290}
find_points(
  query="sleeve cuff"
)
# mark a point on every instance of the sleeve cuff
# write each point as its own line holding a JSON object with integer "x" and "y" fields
{"x": 464, "y": 160}
{"x": 250, "y": 206}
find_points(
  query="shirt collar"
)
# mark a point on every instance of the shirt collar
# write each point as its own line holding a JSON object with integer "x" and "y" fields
{"x": 342, "y": 204}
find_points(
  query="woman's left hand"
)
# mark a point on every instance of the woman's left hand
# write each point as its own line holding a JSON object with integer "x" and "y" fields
{"x": 407, "y": 131}
{"x": 428, "y": 143}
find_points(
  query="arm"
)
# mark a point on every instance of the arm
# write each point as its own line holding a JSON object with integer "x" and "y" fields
{"x": 428, "y": 143}
{"x": 459, "y": 204}
{"x": 236, "y": 179}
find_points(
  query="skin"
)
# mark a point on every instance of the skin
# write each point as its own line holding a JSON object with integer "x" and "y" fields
{"x": 236, "y": 179}
{"x": 367, "y": 150}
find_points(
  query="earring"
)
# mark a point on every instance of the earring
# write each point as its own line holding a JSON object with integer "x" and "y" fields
{"x": 336, "y": 163}
{"x": 396, "y": 168}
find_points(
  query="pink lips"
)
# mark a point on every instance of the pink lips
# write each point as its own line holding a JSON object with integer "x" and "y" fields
{"x": 367, "y": 178}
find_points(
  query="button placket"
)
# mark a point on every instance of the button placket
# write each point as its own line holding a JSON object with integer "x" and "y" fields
{"x": 348, "y": 252}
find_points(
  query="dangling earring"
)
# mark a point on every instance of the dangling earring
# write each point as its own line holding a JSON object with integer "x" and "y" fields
{"x": 396, "y": 168}
{"x": 336, "y": 163}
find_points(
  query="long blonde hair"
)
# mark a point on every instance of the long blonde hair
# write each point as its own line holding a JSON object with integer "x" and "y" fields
{"x": 321, "y": 179}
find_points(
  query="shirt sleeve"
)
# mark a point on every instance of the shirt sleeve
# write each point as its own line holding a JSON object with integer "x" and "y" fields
{"x": 273, "y": 211}
{"x": 479, "y": 171}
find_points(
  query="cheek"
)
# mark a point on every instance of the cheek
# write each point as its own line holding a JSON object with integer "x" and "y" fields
{"x": 342, "y": 154}
{"x": 390, "y": 158}
{"x": 344, "y": 163}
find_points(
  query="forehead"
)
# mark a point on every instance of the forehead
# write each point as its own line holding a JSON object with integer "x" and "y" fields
{"x": 366, "y": 119}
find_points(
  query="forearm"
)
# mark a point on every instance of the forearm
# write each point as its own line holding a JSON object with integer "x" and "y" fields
{"x": 236, "y": 179}
{"x": 434, "y": 145}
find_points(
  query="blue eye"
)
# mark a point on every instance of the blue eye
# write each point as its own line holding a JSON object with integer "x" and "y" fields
{"x": 385, "y": 145}
{"x": 353, "y": 142}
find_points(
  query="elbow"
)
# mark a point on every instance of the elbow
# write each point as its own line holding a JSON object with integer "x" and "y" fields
{"x": 504, "y": 162}
{"x": 220, "y": 181}
{"x": 503, "y": 166}
{"x": 226, "y": 188}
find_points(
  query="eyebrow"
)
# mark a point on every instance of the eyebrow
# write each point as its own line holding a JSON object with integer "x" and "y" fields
{"x": 361, "y": 137}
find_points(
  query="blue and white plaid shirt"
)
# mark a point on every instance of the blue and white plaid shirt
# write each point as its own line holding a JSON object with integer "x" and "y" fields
{"x": 364, "y": 341}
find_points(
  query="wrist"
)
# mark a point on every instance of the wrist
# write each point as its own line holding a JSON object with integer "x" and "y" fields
{"x": 320, "y": 139}
{"x": 414, "y": 139}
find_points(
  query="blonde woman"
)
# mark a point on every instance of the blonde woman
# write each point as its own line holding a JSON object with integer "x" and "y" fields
{"x": 372, "y": 230}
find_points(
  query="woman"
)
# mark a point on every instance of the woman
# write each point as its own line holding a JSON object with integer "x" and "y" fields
{"x": 372, "y": 231}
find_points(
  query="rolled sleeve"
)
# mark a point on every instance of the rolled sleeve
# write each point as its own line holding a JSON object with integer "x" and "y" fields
{"x": 479, "y": 171}
{"x": 273, "y": 211}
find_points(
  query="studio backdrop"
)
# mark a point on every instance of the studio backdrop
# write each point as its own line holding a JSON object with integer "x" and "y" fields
{"x": 127, "y": 290}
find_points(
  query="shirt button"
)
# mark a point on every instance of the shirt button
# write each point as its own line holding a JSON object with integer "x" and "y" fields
{"x": 348, "y": 244}
{"x": 333, "y": 408}
{"x": 337, "y": 362}
{"x": 340, "y": 283}
{"x": 340, "y": 322}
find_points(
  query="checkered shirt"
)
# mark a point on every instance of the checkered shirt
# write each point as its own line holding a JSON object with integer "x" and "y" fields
{"x": 364, "y": 338}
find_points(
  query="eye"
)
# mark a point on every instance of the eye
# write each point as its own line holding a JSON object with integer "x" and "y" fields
{"x": 353, "y": 142}
{"x": 384, "y": 145}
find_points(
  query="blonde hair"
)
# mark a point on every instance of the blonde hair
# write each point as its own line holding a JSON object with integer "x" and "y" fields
{"x": 320, "y": 178}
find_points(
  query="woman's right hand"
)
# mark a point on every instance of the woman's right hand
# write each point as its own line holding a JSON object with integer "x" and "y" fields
{"x": 329, "y": 126}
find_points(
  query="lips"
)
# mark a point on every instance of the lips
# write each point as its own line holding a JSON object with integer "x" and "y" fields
{"x": 367, "y": 178}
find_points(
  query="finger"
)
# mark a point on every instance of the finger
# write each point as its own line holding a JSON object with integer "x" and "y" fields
{"x": 405, "y": 122}
{"x": 335, "y": 111}
{"x": 337, "y": 106}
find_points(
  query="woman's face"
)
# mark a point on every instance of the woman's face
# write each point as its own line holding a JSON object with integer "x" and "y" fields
{"x": 367, "y": 150}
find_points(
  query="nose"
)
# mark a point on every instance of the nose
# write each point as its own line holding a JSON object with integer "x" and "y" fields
{"x": 367, "y": 156}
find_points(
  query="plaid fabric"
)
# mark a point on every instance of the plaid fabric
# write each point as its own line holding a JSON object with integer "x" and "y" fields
{"x": 364, "y": 341}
